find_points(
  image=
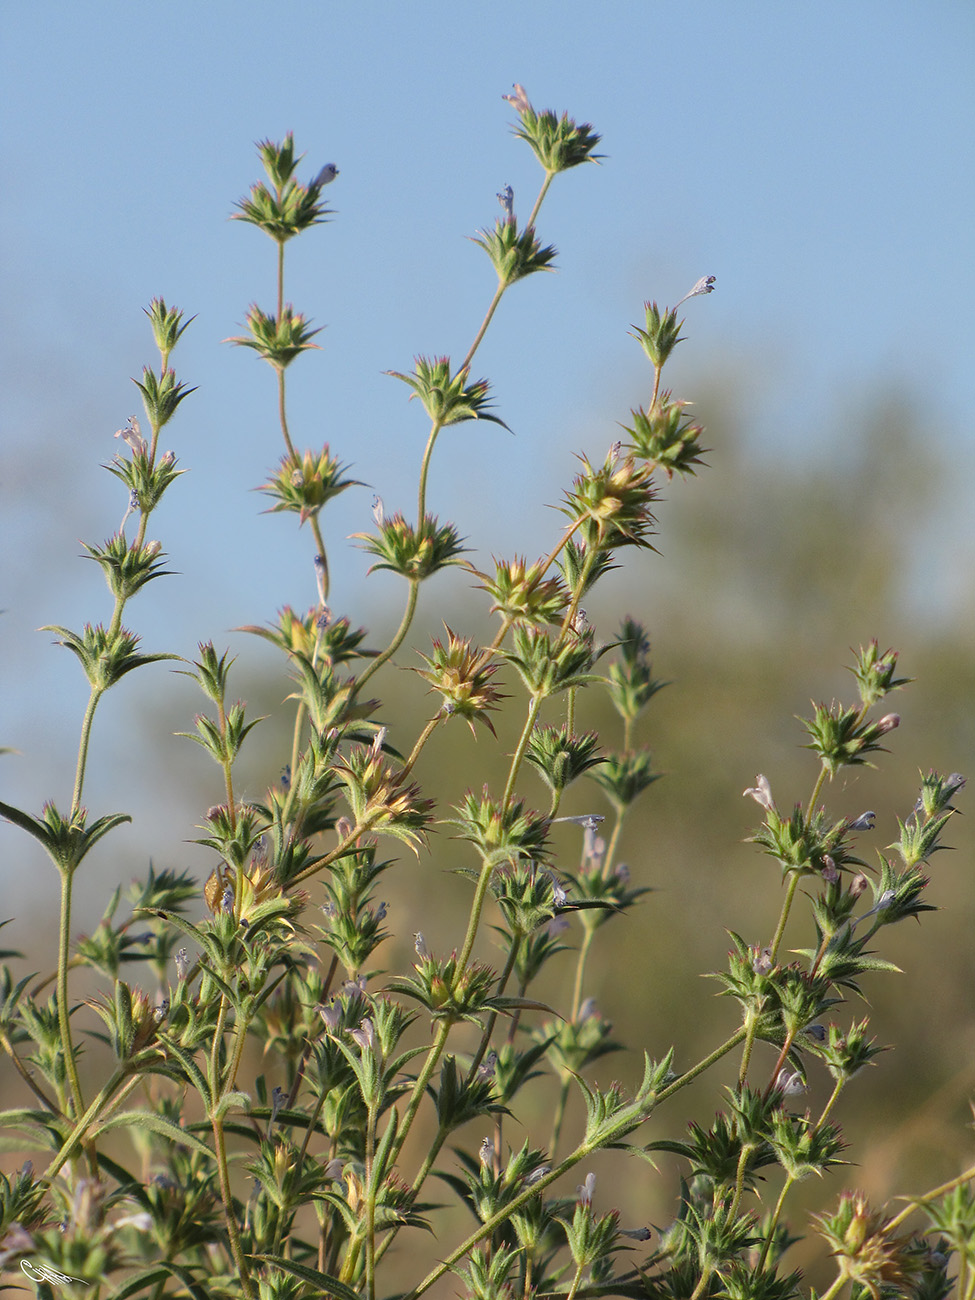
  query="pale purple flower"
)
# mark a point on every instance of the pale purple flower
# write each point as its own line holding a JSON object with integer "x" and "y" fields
{"x": 378, "y": 740}
{"x": 331, "y": 1014}
{"x": 559, "y": 896}
{"x": 420, "y": 944}
{"x": 704, "y": 285}
{"x": 579, "y": 621}
{"x": 485, "y": 1152}
{"x": 320, "y": 577}
{"x": 829, "y": 871}
{"x": 589, "y": 820}
{"x": 378, "y": 513}
{"x": 635, "y": 1234}
{"x": 761, "y": 792}
{"x": 182, "y": 960}
{"x": 588, "y": 1011}
{"x": 488, "y": 1067}
{"x": 584, "y": 1191}
{"x": 132, "y": 434}
{"x": 761, "y": 960}
{"x": 882, "y": 902}
{"x": 558, "y": 925}
{"x": 519, "y": 101}
{"x": 790, "y": 1085}
{"x": 325, "y": 176}
{"x": 865, "y": 822}
{"x": 365, "y": 1035}
{"x": 507, "y": 200}
{"x": 537, "y": 1173}
{"x": 132, "y": 505}
{"x": 16, "y": 1241}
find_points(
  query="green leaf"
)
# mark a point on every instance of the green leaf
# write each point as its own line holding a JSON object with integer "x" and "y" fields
{"x": 146, "y": 1119}
{"x": 330, "y": 1286}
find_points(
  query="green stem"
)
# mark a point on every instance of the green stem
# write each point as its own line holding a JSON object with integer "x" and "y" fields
{"x": 282, "y": 416}
{"x": 496, "y": 1220}
{"x": 743, "y": 1155}
{"x": 79, "y": 780}
{"x": 370, "y": 1204}
{"x": 27, "y": 1078}
{"x": 784, "y": 915}
{"x": 64, "y": 1019}
{"x": 575, "y": 1283}
{"x": 967, "y": 1177}
{"x": 581, "y": 960}
{"x": 518, "y": 757}
{"x": 558, "y": 1117}
{"x": 230, "y": 1218}
{"x": 752, "y": 1022}
{"x": 498, "y": 295}
{"x": 424, "y": 736}
{"x": 774, "y": 1222}
{"x": 397, "y": 640}
{"x": 835, "y": 1289}
{"x": 492, "y": 1019}
{"x": 419, "y": 1088}
{"x": 84, "y": 1124}
{"x": 816, "y": 790}
{"x": 727, "y": 1046}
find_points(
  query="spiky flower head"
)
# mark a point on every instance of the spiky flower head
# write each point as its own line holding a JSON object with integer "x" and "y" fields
{"x": 462, "y": 674}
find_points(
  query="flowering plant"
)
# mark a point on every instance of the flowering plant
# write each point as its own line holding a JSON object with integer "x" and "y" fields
{"x": 168, "y": 1169}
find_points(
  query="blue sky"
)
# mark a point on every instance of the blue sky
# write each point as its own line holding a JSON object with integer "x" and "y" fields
{"x": 815, "y": 158}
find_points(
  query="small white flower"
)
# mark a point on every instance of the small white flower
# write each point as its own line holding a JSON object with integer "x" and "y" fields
{"x": 420, "y": 944}
{"x": 485, "y": 1152}
{"x": 326, "y": 175}
{"x": 142, "y": 1221}
{"x": 378, "y": 513}
{"x": 507, "y": 200}
{"x": 320, "y": 574}
{"x": 761, "y": 792}
{"x": 585, "y": 1190}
